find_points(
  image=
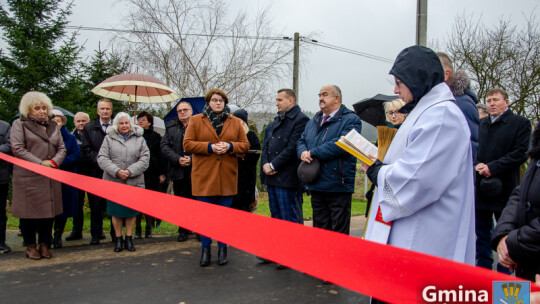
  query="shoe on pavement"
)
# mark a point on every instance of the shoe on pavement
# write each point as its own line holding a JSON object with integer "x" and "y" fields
{"x": 74, "y": 236}
{"x": 263, "y": 260}
{"x": 4, "y": 248}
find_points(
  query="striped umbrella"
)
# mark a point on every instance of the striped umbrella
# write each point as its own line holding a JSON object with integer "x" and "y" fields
{"x": 136, "y": 88}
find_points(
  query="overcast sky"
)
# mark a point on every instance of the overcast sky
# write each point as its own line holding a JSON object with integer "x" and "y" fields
{"x": 378, "y": 27}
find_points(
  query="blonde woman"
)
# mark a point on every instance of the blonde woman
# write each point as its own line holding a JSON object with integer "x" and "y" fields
{"x": 36, "y": 198}
{"x": 394, "y": 119}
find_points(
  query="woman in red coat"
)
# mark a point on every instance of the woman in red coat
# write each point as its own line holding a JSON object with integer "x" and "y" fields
{"x": 214, "y": 138}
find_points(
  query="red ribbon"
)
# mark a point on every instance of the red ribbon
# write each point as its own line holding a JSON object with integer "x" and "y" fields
{"x": 385, "y": 272}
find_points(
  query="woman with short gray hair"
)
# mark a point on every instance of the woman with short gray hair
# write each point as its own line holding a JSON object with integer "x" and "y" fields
{"x": 123, "y": 157}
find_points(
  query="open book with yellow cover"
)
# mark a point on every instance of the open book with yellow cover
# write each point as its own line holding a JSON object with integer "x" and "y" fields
{"x": 358, "y": 146}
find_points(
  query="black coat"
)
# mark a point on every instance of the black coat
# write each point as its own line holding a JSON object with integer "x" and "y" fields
{"x": 502, "y": 146}
{"x": 247, "y": 174}
{"x": 5, "y": 147}
{"x": 92, "y": 139}
{"x": 279, "y": 148}
{"x": 172, "y": 148}
{"x": 157, "y": 166}
{"x": 520, "y": 220}
{"x": 83, "y": 167}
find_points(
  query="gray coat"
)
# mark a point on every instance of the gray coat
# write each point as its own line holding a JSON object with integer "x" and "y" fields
{"x": 132, "y": 154}
{"x": 36, "y": 196}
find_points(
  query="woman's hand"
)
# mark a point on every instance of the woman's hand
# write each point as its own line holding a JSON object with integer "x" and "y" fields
{"x": 123, "y": 174}
{"x": 220, "y": 147}
{"x": 162, "y": 178}
{"x": 47, "y": 163}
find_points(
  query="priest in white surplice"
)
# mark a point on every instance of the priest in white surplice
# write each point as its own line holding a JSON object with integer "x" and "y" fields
{"x": 425, "y": 183}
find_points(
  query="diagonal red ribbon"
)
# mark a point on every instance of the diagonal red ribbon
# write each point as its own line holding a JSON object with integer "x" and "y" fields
{"x": 385, "y": 272}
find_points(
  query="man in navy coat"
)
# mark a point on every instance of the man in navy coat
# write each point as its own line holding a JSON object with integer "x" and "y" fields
{"x": 279, "y": 162}
{"x": 331, "y": 191}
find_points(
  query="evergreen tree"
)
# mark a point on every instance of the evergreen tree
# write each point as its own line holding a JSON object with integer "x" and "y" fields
{"x": 40, "y": 55}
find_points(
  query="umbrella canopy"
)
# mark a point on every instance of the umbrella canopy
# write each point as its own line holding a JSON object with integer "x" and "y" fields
{"x": 371, "y": 110}
{"x": 135, "y": 87}
{"x": 197, "y": 104}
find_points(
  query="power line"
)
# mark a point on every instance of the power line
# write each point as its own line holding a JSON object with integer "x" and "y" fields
{"x": 345, "y": 50}
{"x": 101, "y": 29}
{"x": 303, "y": 39}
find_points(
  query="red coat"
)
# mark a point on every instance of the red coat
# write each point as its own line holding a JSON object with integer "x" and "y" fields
{"x": 213, "y": 174}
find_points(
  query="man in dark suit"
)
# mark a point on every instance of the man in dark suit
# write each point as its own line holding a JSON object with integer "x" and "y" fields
{"x": 93, "y": 135}
{"x": 503, "y": 139}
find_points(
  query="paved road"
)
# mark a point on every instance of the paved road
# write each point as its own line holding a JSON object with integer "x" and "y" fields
{"x": 160, "y": 271}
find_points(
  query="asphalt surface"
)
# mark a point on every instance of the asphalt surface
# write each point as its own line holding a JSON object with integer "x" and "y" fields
{"x": 160, "y": 271}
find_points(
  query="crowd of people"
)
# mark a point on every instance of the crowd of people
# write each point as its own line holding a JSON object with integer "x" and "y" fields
{"x": 449, "y": 184}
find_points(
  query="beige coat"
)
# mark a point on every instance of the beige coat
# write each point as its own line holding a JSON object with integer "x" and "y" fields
{"x": 36, "y": 196}
{"x": 213, "y": 174}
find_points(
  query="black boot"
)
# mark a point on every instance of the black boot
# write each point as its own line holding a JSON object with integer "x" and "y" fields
{"x": 119, "y": 245}
{"x": 205, "y": 257}
{"x": 129, "y": 243}
{"x": 148, "y": 232}
{"x": 138, "y": 233}
{"x": 222, "y": 256}
{"x": 182, "y": 235}
{"x": 74, "y": 235}
{"x": 57, "y": 239}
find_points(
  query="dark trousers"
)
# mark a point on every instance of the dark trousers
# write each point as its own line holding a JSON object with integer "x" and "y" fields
{"x": 282, "y": 203}
{"x": 59, "y": 224}
{"x": 3, "y": 217}
{"x": 224, "y": 201}
{"x": 149, "y": 223}
{"x": 299, "y": 206}
{"x": 43, "y": 227}
{"x": 149, "y": 219}
{"x": 98, "y": 206}
{"x": 182, "y": 187}
{"x": 78, "y": 220}
{"x": 332, "y": 210}
{"x": 484, "y": 228}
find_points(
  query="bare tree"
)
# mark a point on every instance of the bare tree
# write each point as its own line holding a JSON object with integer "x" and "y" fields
{"x": 194, "y": 45}
{"x": 503, "y": 56}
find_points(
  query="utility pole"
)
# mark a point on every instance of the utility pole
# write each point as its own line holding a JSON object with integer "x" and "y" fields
{"x": 296, "y": 64}
{"x": 421, "y": 22}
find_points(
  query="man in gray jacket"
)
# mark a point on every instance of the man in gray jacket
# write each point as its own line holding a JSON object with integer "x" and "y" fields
{"x": 5, "y": 171}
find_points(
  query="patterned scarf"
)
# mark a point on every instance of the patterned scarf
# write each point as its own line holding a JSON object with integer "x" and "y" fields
{"x": 216, "y": 119}
{"x": 42, "y": 121}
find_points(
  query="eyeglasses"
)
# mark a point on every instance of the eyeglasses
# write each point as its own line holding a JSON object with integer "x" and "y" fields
{"x": 217, "y": 100}
{"x": 392, "y": 113}
{"x": 183, "y": 110}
